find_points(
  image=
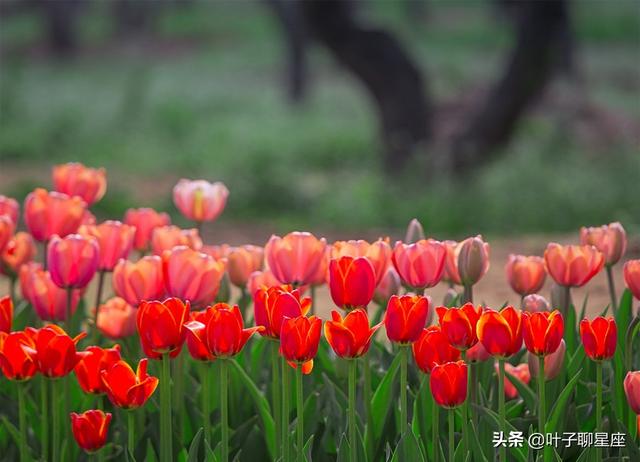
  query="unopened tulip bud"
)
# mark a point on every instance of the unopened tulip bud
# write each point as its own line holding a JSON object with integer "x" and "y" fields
{"x": 473, "y": 260}
{"x": 552, "y": 363}
{"x": 534, "y": 303}
{"x": 415, "y": 232}
{"x": 632, "y": 277}
{"x": 389, "y": 285}
{"x": 632, "y": 390}
{"x": 9, "y": 206}
{"x": 610, "y": 239}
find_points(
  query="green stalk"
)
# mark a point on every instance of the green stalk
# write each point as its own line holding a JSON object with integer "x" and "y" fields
{"x": 178, "y": 392}
{"x": 22, "y": 419}
{"x": 55, "y": 418}
{"x": 97, "y": 305}
{"x": 542, "y": 420}
{"x": 404, "y": 351}
{"x": 367, "y": 395}
{"x": 313, "y": 300}
{"x": 131, "y": 429}
{"x": 598, "y": 404}
{"x": 353, "y": 371}
{"x": 45, "y": 244}
{"x": 285, "y": 411}
{"x": 465, "y": 410}
{"x": 612, "y": 290}
{"x": 628, "y": 342}
{"x": 67, "y": 321}
{"x": 12, "y": 288}
{"x": 435, "y": 432}
{"x": 65, "y": 409}
{"x": 44, "y": 417}
{"x": 503, "y": 449}
{"x": 224, "y": 409}
{"x": 166, "y": 453}
{"x": 300, "y": 419}
{"x": 275, "y": 396}
{"x": 467, "y": 295}
{"x": 451, "y": 433}
{"x": 473, "y": 390}
{"x": 205, "y": 380}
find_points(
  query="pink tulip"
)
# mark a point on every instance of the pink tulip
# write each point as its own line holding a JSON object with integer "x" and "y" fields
{"x": 73, "y": 260}
{"x": 145, "y": 220}
{"x": 294, "y": 258}
{"x": 609, "y": 239}
{"x": 74, "y": 179}
{"x": 115, "y": 241}
{"x": 167, "y": 237}
{"x": 420, "y": 265}
{"x": 49, "y": 213}
{"x": 199, "y": 200}
{"x": 48, "y": 300}
{"x": 139, "y": 281}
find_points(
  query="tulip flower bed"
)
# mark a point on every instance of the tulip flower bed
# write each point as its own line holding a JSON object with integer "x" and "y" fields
{"x": 187, "y": 351}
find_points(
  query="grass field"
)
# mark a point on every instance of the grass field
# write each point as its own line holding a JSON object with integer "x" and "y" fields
{"x": 204, "y": 97}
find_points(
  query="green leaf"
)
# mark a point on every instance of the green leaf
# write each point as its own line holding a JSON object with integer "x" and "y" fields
{"x": 151, "y": 454}
{"x": 529, "y": 397}
{"x": 422, "y": 413}
{"x": 475, "y": 444}
{"x": 561, "y": 403}
{"x": 13, "y": 431}
{"x": 194, "y": 447}
{"x": 343, "y": 449}
{"x": 262, "y": 406}
{"x": 570, "y": 335}
{"x": 517, "y": 453}
{"x": 408, "y": 449}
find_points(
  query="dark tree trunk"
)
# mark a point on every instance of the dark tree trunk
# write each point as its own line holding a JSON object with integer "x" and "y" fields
{"x": 376, "y": 58}
{"x": 543, "y": 45}
{"x": 60, "y": 17}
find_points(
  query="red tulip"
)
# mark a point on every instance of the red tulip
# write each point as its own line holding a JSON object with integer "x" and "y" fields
{"x": 75, "y": 179}
{"x": 192, "y": 275}
{"x": 18, "y": 251}
{"x": 161, "y": 327}
{"x": 433, "y": 348}
{"x": 610, "y": 239}
{"x": 142, "y": 280}
{"x": 542, "y": 332}
{"x": 220, "y": 330}
{"x": 242, "y": 262}
{"x": 199, "y": 200}
{"x": 350, "y": 337}
{"x": 535, "y": 303}
{"x": 388, "y": 286}
{"x": 145, "y": 220}
{"x": 294, "y": 259}
{"x": 167, "y": 237}
{"x": 351, "y": 282}
{"x": 9, "y": 206}
{"x": 599, "y": 337}
{"x": 299, "y": 339}
{"x": 473, "y": 260}
{"x": 261, "y": 280}
{"x": 115, "y": 241}
{"x": 451, "y": 263}
{"x": 572, "y": 265}
{"x": 56, "y": 351}
{"x": 7, "y": 227}
{"x": 521, "y": 371}
{"x": 420, "y": 265}
{"x": 18, "y": 357}
{"x": 117, "y": 319}
{"x": 6, "y": 314}
{"x": 73, "y": 260}
{"x": 632, "y": 277}
{"x": 632, "y": 390}
{"x": 48, "y": 300}
{"x": 405, "y": 317}
{"x": 448, "y": 383}
{"x": 272, "y": 305}
{"x": 526, "y": 275}
{"x": 126, "y": 389}
{"x": 90, "y": 429}
{"x": 89, "y": 368}
{"x": 49, "y": 213}
{"x": 378, "y": 253}
{"x": 501, "y": 332}
{"x": 553, "y": 362}
{"x": 459, "y": 324}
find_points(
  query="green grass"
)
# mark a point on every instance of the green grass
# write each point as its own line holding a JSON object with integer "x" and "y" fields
{"x": 207, "y": 100}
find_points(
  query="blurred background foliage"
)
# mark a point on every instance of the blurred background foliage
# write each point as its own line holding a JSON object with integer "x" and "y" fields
{"x": 200, "y": 93}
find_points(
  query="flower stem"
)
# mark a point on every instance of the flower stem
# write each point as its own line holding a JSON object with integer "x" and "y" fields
{"x": 435, "y": 432}
{"x": 166, "y": 454}
{"x": 12, "y": 288}
{"x": 467, "y": 295}
{"x": 285, "y": 410}
{"x": 131, "y": 428}
{"x": 404, "y": 351}
{"x": 542, "y": 420}
{"x": 224, "y": 409}
{"x": 598, "y": 404}
{"x": 353, "y": 371}
{"x": 628, "y": 342}
{"x": 67, "y": 319}
{"x": 56, "y": 424}
{"x": 22, "y": 419}
{"x": 367, "y": 394}
{"x": 612, "y": 290}
{"x": 503, "y": 449}
{"x": 97, "y": 305}
{"x": 178, "y": 392}
{"x": 45, "y": 244}
{"x": 473, "y": 390}
{"x": 465, "y": 411}
{"x": 44, "y": 417}
{"x": 451, "y": 434}
{"x": 205, "y": 380}
{"x": 275, "y": 396}
{"x": 300, "y": 419}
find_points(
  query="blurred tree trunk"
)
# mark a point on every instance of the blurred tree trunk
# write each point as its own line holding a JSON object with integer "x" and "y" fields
{"x": 60, "y": 17}
{"x": 378, "y": 60}
{"x": 134, "y": 17}
{"x": 543, "y": 44}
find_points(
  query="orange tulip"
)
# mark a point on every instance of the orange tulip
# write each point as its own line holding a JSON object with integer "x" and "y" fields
{"x": 49, "y": 213}
{"x": 242, "y": 261}
{"x": 388, "y": 286}
{"x": 632, "y": 390}
{"x": 117, "y": 319}
{"x": 75, "y": 179}
{"x": 6, "y": 314}
{"x": 405, "y": 317}
{"x": 299, "y": 340}
{"x": 217, "y": 251}
{"x": 420, "y": 265}
{"x": 48, "y": 300}
{"x": 161, "y": 327}
{"x": 191, "y": 275}
{"x": 126, "y": 389}
{"x": 90, "y": 429}
{"x": 459, "y": 324}
{"x": 521, "y": 372}
{"x": 294, "y": 259}
{"x": 18, "y": 251}
{"x": 572, "y": 265}
{"x": 220, "y": 331}
{"x": 448, "y": 383}
{"x": 56, "y": 352}
{"x": 451, "y": 263}
{"x": 501, "y": 332}
{"x": 199, "y": 200}
{"x": 274, "y": 304}
{"x": 351, "y": 282}
{"x": 535, "y": 303}
{"x": 609, "y": 239}
{"x": 553, "y": 362}
{"x": 167, "y": 237}
{"x": 145, "y": 220}
{"x": 73, "y": 260}
{"x": 378, "y": 253}
{"x": 632, "y": 277}
{"x": 350, "y": 337}
{"x": 542, "y": 331}
{"x": 115, "y": 241}
{"x": 139, "y": 281}
{"x": 18, "y": 357}
{"x": 472, "y": 259}
{"x": 89, "y": 368}
{"x": 599, "y": 337}
{"x": 433, "y": 348}
{"x": 9, "y": 206}
{"x": 261, "y": 280}
{"x": 526, "y": 275}
{"x": 7, "y": 227}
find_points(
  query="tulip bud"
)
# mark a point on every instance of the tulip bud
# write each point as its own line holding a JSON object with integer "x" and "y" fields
{"x": 535, "y": 303}
{"x": 552, "y": 363}
{"x": 117, "y": 319}
{"x": 294, "y": 258}
{"x": 572, "y": 265}
{"x": 599, "y": 337}
{"x": 632, "y": 277}
{"x": 448, "y": 383}
{"x": 610, "y": 239}
{"x": 420, "y": 265}
{"x": 145, "y": 220}
{"x": 526, "y": 275}
{"x": 6, "y": 314}
{"x": 632, "y": 390}
{"x": 389, "y": 285}
{"x": 473, "y": 260}
{"x": 49, "y": 213}
{"x": 75, "y": 179}
{"x": 20, "y": 250}
{"x": 73, "y": 260}
{"x": 415, "y": 232}
{"x": 90, "y": 429}
{"x": 199, "y": 200}
{"x": 7, "y": 226}
{"x": 10, "y": 207}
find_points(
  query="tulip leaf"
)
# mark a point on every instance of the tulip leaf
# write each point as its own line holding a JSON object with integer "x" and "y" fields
{"x": 343, "y": 449}
{"x": 194, "y": 447}
{"x": 524, "y": 391}
{"x": 408, "y": 449}
{"x": 516, "y": 452}
{"x": 570, "y": 335}
{"x": 422, "y": 413}
{"x": 150, "y": 453}
{"x": 13, "y": 431}
{"x": 262, "y": 406}
{"x": 559, "y": 407}
{"x": 476, "y": 448}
